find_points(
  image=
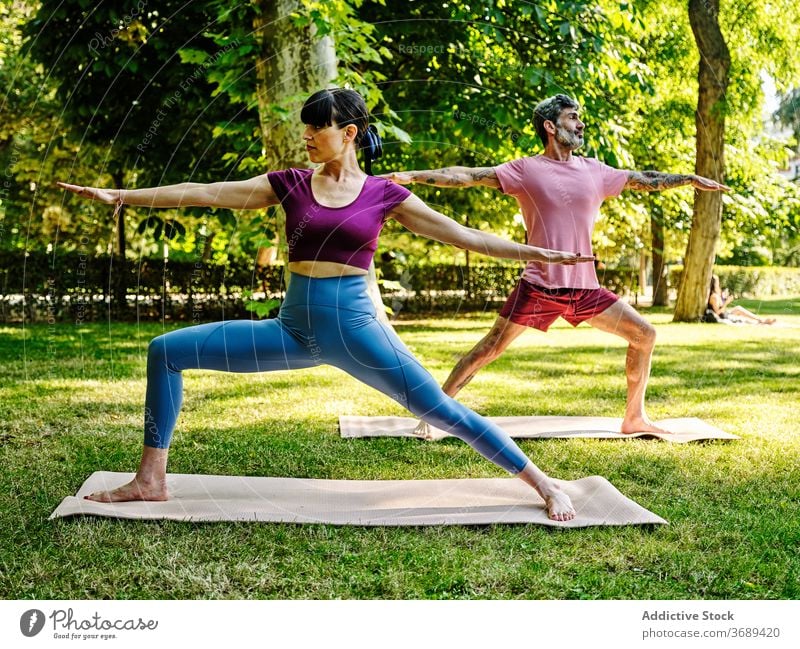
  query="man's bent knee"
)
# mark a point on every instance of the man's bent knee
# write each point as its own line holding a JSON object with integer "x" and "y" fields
{"x": 645, "y": 335}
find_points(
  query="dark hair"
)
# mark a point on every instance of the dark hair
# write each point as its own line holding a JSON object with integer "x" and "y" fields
{"x": 549, "y": 110}
{"x": 715, "y": 285}
{"x": 344, "y": 107}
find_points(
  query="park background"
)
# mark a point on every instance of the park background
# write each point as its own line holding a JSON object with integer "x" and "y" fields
{"x": 134, "y": 94}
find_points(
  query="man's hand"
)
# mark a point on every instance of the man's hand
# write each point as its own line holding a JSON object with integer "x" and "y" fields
{"x": 708, "y": 185}
{"x": 399, "y": 177}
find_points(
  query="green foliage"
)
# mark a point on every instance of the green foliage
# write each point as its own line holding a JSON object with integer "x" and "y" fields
{"x": 464, "y": 79}
{"x": 450, "y": 83}
{"x": 760, "y": 214}
{"x": 133, "y": 96}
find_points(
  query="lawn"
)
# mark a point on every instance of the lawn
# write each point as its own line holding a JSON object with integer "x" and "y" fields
{"x": 72, "y": 399}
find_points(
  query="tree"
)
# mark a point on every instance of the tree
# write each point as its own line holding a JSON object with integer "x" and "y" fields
{"x": 761, "y": 36}
{"x": 714, "y": 68}
{"x": 125, "y": 89}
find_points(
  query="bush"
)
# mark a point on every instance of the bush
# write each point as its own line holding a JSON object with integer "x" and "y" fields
{"x": 77, "y": 287}
{"x": 750, "y": 281}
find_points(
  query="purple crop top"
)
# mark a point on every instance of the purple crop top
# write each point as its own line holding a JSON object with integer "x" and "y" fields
{"x": 346, "y": 235}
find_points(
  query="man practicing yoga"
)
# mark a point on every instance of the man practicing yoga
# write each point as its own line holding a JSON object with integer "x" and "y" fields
{"x": 560, "y": 195}
{"x": 334, "y": 214}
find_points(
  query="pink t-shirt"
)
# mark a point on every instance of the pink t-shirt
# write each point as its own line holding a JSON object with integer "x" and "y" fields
{"x": 560, "y": 202}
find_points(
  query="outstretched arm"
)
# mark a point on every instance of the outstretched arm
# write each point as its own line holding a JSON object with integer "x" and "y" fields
{"x": 421, "y": 219}
{"x": 236, "y": 195}
{"x": 656, "y": 181}
{"x": 448, "y": 177}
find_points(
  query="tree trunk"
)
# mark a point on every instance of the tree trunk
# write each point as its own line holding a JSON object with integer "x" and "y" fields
{"x": 715, "y": 63}
{"x": 293, "y": 63}
{"x": 660, "y": 288}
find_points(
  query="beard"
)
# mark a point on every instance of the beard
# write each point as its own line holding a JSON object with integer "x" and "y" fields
{"x": 568, "y": 138}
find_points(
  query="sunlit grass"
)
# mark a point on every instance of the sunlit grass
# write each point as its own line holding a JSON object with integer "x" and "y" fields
{"x": 72, "y": 398}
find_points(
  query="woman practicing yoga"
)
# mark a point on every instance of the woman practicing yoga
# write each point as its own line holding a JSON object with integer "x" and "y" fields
{"x": 334, "y": 214}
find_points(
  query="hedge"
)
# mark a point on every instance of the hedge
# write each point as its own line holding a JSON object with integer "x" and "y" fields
{"x": 75, "y": 287}
{"x": 750, "y": 281}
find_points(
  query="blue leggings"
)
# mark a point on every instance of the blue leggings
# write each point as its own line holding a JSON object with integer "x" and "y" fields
{"x": 321, "y": 321}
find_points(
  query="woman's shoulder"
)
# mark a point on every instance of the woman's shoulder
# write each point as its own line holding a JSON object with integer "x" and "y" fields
{"x": 288, "y": 181}
{"x": 291, "y": 172}
{"x": 386, "y": 185}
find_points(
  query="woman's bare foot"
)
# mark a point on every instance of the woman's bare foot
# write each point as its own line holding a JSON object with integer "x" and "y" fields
{"x": 559, "y": 506}
{"x": 641, "y": 425}
{"x": 423, "y": 431}
{"x": 136, "y": 489}
{"x": 150, "y": 482}
{"x": 557, "y": 503}
{"x": 767, "y": 321}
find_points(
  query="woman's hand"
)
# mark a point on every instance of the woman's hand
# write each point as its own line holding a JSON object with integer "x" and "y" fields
{"x": 108, "y": 196}
{"x": 563, "y": 258}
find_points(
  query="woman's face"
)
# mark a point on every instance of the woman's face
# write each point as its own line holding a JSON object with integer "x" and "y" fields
{"x": 326, "y": 143}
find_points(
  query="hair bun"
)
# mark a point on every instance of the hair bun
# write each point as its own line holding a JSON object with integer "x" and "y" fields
{"x": 372, "y": 144}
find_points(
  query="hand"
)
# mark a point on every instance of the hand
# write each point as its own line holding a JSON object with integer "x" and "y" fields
{"x": 399, "y": 177}
{"x": 708, "y": 185}
{"x": 565, "y": 258}
{"x": 108, "y": 196}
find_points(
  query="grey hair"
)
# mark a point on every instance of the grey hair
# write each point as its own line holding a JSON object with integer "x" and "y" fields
{"x": 550, "y": 109}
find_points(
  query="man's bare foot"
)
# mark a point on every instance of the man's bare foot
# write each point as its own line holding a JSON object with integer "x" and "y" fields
{"x": 559, "y": 506}
{"x": 641, "y": 425}
{"x": 135, "y": 490}
{"x": 423, "y": 431}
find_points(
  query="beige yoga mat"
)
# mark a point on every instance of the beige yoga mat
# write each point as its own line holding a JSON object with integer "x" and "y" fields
{"x": 687, "y": 429}
{"x": 361, "y": 502}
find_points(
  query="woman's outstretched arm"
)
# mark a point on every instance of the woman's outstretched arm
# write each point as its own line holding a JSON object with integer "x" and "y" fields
{"x": 421, "y": 219}
{"x": 249, "y": 194}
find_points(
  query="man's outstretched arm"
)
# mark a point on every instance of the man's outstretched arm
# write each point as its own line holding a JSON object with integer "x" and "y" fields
{"x": 448, "y": 177}
{"x": 656, "y": 181}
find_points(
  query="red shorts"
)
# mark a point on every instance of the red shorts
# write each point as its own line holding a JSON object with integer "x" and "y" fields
{"x": 538, "y": 307}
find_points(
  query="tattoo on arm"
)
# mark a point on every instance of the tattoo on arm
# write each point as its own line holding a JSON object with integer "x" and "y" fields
{"x": 653, "y": 181}
{"x": 446, "y": 177}
{"x": 458, "y": 177}
{"x": 486, "y": 176}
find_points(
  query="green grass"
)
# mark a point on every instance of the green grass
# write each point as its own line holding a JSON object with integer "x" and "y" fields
{"x": 72, "y": 397}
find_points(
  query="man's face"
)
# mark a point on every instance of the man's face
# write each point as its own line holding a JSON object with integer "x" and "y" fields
{"x": 569, "y": 129}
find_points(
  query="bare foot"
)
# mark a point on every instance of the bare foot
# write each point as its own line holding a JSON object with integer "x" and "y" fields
{"x": 423, "y": 431}
{"x": 641, "y": 425}
{"x": 767, "y": 321}
{"x": 559, "y": 506}
{"x": 136, "y": 489}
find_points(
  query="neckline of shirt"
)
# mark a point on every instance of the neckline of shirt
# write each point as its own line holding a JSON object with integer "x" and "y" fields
{"x": 572, "y": 159}
{"x": 332, "y": 207}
